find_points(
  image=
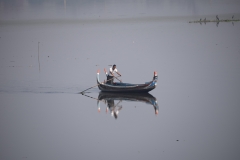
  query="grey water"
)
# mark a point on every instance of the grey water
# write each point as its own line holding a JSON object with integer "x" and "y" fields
{"x": 50, "y": 51}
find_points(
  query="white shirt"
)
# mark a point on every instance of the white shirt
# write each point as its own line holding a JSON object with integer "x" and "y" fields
{"x": 111, "y": 70}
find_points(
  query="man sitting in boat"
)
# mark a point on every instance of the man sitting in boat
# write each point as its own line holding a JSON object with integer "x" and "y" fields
{"x": 111, "y": 75}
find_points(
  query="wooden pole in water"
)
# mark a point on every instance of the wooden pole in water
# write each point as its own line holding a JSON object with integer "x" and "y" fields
{"x": 38, "y": 58}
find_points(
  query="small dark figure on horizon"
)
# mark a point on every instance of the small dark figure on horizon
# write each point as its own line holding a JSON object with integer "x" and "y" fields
{"x": 232, "y": 16}
{"x": 217, "y": 17}
{"x": 205, "y": 19}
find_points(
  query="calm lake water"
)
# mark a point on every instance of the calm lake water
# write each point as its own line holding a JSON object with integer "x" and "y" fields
{"x": 50, "y": 51}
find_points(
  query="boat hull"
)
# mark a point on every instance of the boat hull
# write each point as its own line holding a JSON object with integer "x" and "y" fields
{"x": 128, "y": 87}
{"x": 109, "y": 88}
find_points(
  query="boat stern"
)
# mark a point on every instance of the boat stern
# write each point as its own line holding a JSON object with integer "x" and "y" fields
{"x": 155, "y": 79}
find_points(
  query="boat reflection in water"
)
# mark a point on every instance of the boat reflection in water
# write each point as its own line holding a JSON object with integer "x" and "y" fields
{"x": 115, "y": 108}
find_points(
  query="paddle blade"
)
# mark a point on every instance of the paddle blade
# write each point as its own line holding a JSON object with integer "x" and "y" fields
{"x": 82, "y": 93}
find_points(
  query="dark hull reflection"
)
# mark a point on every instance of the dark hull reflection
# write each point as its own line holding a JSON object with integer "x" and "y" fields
{"x": 113, "y": 101}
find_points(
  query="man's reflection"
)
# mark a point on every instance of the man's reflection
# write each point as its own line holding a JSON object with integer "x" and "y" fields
{"x": 114, "y": 109}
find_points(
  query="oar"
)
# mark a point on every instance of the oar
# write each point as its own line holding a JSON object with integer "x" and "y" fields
{"x": 118, "y": 79}
{"x": 96, "y": 85}
{"x": 93, "y": 98}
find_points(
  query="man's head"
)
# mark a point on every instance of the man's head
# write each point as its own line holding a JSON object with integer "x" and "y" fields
{"x": 114, "y": 66}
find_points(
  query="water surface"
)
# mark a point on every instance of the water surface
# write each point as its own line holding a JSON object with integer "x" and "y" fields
{"x": 50, "y": 52}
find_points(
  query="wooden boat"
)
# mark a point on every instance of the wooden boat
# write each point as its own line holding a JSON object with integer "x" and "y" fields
{"x": 127, "y": 87}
